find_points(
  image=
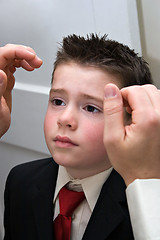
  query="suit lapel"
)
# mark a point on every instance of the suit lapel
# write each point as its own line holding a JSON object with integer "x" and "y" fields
{"x": 42, "y": 204}
{"x": 108, "y": 212}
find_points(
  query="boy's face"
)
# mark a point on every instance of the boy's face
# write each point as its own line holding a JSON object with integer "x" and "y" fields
{"x": 74, "y": 120}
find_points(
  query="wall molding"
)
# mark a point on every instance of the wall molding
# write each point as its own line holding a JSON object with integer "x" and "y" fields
{"x": 29, "y": 107}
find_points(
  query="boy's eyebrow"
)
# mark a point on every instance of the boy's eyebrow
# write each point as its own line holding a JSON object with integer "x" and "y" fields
{"x": 58, "y": 90}
{"x": 84, "y": 95}
{"x": 90, "y": 97}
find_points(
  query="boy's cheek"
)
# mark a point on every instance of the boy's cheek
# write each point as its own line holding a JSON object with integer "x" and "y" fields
{"x": 94, "y": 142}
{"x": 47, "y": 124}
{"x": 94, "y": 133}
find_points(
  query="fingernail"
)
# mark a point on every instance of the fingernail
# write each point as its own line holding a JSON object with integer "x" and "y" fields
{"x": 110, "y": 92}
{"x": 39, "y": 59}
{"x": 31, "y": 53}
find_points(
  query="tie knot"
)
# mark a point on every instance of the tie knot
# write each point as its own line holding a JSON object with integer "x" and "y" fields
{"x": 69, "y": 201}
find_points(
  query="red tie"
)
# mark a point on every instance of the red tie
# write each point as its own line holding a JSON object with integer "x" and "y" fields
{"x": 68, "y": 202}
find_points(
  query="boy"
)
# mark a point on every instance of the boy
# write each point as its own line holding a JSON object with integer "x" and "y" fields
{"x": 73, "y": 127}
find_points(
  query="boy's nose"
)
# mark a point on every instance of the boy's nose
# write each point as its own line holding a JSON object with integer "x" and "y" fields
{"x": 67, "y": 119}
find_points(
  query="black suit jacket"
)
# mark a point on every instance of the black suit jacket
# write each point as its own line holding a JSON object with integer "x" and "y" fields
{"x": 29, "y": 205}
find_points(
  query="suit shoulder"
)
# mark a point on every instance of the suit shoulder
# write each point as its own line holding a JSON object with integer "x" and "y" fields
{"x": 31, "y": 170}
{"x": 33, "y": 165}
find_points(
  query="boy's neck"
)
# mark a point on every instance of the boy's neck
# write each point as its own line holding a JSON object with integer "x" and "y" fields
{"x": 77, "y": 174}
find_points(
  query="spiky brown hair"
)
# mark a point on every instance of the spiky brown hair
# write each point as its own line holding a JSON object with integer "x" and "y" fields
{"x": 107, "y": 55}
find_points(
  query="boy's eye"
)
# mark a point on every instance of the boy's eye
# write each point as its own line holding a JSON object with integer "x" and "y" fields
{"x": 92, "y": 109}
{"x": 57, "y": 102}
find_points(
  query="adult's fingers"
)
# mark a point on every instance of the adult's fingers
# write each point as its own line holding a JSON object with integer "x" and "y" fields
{"x": 154, "y": 96}
{"x": 139, "y": 103}
{"x": 3, "y": 83}
{"x": 12, "y": 52}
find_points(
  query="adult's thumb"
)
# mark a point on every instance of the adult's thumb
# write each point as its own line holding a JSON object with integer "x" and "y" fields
{"x": 113, "y": 116}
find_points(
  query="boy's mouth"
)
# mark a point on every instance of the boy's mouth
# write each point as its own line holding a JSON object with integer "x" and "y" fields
{"x": 64, "y": 141}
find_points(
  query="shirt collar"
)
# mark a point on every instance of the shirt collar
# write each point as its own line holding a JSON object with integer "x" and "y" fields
{"x": 91, "y": 185}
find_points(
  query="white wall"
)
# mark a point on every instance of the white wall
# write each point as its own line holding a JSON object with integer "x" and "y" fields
{"x": 149, "y": 12}
{"x": 41, "y": 24}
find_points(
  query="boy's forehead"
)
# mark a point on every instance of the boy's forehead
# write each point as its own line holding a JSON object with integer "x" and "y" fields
{"x": 66, "y": 71}
{"x": 84, "y": 81}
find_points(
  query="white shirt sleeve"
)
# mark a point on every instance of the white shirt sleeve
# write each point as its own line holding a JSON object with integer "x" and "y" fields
{"x": 143, "y": 197}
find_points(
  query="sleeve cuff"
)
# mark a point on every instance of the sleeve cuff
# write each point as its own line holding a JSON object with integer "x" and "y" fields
{"x": 143, "y": 197}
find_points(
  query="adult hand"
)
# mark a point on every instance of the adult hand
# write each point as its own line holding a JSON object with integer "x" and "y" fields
{"x": 12, "y": 57}
{"x": 133, "y": 149}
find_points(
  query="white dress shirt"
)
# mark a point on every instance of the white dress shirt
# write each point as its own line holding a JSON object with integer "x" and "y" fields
{"x": 91, "y": 187}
